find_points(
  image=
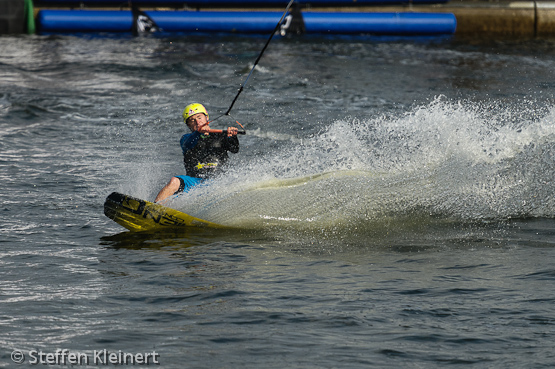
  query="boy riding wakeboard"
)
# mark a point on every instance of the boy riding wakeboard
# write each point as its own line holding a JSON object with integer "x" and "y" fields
{"x": 204, "y": 151}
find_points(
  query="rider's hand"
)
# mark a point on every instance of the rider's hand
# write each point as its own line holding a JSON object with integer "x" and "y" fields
{"x": 204, "y": 129}
{"x": 232, "y": 131}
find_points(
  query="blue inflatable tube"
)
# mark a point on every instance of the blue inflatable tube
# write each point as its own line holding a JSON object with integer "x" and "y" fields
{"x": 236, "y": 22}
{"x": 84, "y": 21}
{"x": 380, "y": 23}
{"x": 52, "y": 21}
{"x": 169, "y": 21}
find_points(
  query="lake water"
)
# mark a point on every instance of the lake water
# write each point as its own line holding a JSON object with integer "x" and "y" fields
{"x": 393, "y": 201}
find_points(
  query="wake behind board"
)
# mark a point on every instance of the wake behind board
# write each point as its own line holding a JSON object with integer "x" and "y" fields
{"x": 140, "y": 215}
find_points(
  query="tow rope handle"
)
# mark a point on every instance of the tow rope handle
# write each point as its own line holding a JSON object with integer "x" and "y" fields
{"x": 225, "y": 131}
{"x": 240, "y": 132}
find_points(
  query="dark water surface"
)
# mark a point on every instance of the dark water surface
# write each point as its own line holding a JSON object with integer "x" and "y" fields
{"x": 393, "y": 200}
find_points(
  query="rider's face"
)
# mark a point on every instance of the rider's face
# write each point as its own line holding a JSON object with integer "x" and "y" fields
{"x": 197, "y": 121}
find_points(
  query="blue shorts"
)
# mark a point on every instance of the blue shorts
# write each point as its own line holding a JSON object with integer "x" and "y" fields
{"x": 187, "y": 183}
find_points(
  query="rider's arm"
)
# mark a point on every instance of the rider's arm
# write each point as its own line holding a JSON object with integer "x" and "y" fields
{"x": 189, "y": 140}
{"x": 232, "y": 144}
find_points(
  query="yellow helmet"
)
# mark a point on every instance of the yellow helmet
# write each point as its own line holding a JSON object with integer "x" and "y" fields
{"x": 193, "y": 109}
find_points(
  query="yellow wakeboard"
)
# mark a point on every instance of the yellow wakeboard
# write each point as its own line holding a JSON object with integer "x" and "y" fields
{"x": 140, "y": 215}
